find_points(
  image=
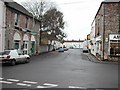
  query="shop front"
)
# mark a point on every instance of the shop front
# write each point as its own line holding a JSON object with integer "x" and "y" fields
{"x": 114, "y": 45}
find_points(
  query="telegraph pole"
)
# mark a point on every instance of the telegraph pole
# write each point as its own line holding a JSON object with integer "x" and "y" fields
{"x": 103, "y": 29}
{"x": 41, "y": 22}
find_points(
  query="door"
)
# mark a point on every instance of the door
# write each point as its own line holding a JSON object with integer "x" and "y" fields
{"x": 32, "y": 47}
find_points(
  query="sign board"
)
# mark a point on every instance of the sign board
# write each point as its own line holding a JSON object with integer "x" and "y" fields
{"x": 88, "y": 37}
{"x": 114, "y": 36}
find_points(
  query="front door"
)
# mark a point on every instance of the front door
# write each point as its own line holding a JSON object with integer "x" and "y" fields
{"x": 32, "y": 47}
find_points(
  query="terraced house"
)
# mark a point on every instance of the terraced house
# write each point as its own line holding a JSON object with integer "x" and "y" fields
{"x": 21, "y": 29}
{"x": 105, "y": 32}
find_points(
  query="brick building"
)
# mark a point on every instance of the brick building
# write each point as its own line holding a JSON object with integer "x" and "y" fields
{"x": 106, "y": 37}
{"x": 22, "y": 30}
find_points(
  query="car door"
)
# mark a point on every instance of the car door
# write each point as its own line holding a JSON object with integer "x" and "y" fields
{"x": 15, "y": 55}
{"x": 21, "y": 56}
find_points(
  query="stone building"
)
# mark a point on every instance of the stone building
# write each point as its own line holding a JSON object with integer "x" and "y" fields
{"x": 107, "y": 28}
{"x": 2, "y": 25}
{"x": 22, "y": 30}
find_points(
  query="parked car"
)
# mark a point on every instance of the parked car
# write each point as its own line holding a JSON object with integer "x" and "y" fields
{"x": 85, "y": 47}
{"x": 65, "y": 49}
{"x": 61, "y": 50}
{"x": 13, "y": 56}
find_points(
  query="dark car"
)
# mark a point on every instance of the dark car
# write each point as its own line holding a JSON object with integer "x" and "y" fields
{"x": 61, "y": 50}
{"x": 65, "y": 49}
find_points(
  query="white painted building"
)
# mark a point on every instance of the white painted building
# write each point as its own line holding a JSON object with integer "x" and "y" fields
{"x": 92, "y": 38}
{"x": 2, "y": 25}
{"x": 73, "y": 44}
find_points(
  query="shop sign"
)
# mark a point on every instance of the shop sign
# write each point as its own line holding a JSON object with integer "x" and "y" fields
{"x": 88, "y": 37}
{"x": 115, "y": 37}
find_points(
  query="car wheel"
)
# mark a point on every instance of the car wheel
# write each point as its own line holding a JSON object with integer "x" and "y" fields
{"x": 13, "y": 62}
{"x": 27, "y": 60}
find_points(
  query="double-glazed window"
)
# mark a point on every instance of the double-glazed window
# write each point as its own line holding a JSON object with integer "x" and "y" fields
{"x": 26, "y": 22}
{"x": 16, "y": 19}
{"x": 17, "y": 44}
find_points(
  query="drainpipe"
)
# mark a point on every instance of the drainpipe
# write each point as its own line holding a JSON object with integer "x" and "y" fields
{"x": 103, "y": 29}
{"x": 119, "y": 20}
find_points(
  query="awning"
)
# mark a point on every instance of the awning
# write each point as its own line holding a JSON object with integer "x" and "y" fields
{"x": 26, "y": 30}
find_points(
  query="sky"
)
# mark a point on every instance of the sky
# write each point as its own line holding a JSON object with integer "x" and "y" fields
{"x": 78, "y": 15}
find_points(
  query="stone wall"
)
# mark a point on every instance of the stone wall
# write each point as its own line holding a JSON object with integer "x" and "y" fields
{"x": 111, "y": 23}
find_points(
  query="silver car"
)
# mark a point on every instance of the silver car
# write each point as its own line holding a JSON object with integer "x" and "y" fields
{"x": 13, "y": 57}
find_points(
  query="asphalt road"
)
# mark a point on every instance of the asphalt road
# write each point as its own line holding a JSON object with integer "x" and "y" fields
{"x": 71, "y": 69}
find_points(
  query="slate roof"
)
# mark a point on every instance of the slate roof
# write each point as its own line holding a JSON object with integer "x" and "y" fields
{"x": 18, "y": 7}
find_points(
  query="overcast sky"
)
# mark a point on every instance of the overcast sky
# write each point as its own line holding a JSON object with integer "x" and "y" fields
{"x": 78, "y": 15}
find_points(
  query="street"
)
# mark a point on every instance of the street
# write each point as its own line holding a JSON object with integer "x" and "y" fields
{"x": 70, "y": 69}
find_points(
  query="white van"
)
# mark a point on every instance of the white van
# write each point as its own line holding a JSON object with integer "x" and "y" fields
{"x": 85, "y": 47}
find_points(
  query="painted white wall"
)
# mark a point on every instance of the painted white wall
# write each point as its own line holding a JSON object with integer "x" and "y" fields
{"x": 73, "y": 44}
{"x": 2, "y": 25}
{"x": 92, "y": 38}
{"x": 58, "y": 44}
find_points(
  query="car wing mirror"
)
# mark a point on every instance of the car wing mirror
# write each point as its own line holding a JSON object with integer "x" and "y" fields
{"x": 19, "y": 54}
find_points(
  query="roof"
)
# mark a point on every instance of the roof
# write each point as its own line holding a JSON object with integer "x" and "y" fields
{"x": 111, "y": 0}
{"x": 105, "y": 2}
{"x": 18, "y": 7}
{"x": 73, "y": 40}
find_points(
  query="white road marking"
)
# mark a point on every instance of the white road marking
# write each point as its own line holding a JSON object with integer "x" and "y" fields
{"x": 48, "y": 84}
{"x": 41, "y": 87}
{"x": 14, "y": 80}
{"x": 1, "y": 78}
{"x": 22, "y": 84}
{"x": 31, "y": 82}
{"x": 6, "y": 82}
{"x": 77, "y": 87}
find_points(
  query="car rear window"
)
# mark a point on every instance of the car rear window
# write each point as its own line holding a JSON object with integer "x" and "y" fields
{"x": 6, "y": 53}
{"x": 1, "y": 53}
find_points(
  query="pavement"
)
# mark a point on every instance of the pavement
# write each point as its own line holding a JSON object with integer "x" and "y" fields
{"x": 92, "y": 58}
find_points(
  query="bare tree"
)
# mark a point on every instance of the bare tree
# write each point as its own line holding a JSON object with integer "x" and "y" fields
{"x": 38, "y": 7}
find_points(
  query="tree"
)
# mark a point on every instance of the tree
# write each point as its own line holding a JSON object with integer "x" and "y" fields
{"x": 53, "y": 24}
{"x": 51, "y": 19}
{"x": 38, "y": 7}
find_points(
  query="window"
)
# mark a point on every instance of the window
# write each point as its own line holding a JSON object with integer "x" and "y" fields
{"x": 16, "y": 19}
{"x": 26, "y": 24}
{"x": 16, "y": 44}
{"x": 115, "y": 49}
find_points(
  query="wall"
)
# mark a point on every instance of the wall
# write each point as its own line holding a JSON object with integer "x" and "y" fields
{"x": 111, "y": 22}
{"x": 43, "y": 48}
{"x": 73, "y": 44}
{"x": 92, "y": 38}
{"x": 2, "y": 25}
{"x": 21, "y": 28}
{"x": 106, "y": 22}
